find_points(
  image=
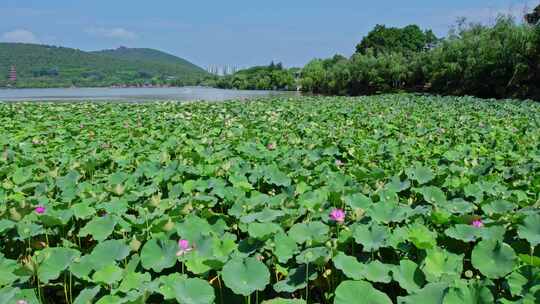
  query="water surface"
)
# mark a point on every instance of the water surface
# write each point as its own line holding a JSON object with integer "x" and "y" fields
{"x": 132, "y": 94}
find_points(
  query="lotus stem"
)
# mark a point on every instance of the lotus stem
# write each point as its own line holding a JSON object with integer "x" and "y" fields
{"x": 307, "y": 283}
{"x": 70, "y": 287}
{"x": 220, "y": 288}
{"x": 147, "y": 227}
{"x": 38, "y": 288}
{"x": 532, "y": 254}
{"x": 65, "y": 289}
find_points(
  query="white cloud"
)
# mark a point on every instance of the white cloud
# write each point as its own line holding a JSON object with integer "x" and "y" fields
{"x": 113, "y": 33}
{"x": 20, "y": 35}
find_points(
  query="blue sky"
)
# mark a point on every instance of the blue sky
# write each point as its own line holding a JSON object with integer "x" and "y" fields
{"x": 235, "y": 32}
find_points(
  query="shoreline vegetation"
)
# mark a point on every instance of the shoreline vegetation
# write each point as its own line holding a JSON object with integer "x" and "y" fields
{"x": 496, "y": 61}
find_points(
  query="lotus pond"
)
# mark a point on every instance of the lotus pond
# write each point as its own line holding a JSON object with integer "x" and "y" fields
{"x": 384, "y": 199}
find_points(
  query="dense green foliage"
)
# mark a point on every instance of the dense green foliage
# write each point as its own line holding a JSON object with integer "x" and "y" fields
{"x": 410, "y": 39}
{"x": 500, "y": 61}
{"x": 272, "y": 77}
{"x": 49, "y": 66}
{"x": 441, "y": 201}
{"x": 487, "y": 61}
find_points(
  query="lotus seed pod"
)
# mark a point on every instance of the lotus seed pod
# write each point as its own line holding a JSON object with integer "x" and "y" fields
{"x": 119, "y": 189}
{"x": 75, "y": 165}
{"x": 37, "y": 244}
{"x": 327, "y": 273}
{"x": 135, "y": 245}
{"x": 164, "y": 157}
{"x": 28, "y": 264}
{"x": 54, "y": 173}
{"x": 169, "y": 226}
{"x": 359, "y": 213}
{"x": 7, "y": 185}
{"x": 187, "y": 208}
{"x": 155, "y": 200}
{"x": 16, "y": 216}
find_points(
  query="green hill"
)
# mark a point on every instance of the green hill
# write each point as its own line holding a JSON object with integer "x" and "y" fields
{"x": 149, "y": 55}
{"x": 51, "y": 66}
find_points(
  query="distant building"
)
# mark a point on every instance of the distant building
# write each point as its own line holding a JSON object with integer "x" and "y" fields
{"x": 13, "y": 74}
{"x": 222, "y": 70}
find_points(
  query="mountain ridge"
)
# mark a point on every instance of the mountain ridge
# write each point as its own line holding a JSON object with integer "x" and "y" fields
{"x": 148, "y": 54}
{"x": 56, "y": 66}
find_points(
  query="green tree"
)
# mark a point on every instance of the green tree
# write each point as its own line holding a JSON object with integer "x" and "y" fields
{"x": 405, "y": 40}
{"x": 499, "y": 61}
{"x": 385, "y": 72}
{"x": 339, "y": 77}
{"x": 313, "y": 77}
{"x": 271, "y": 77}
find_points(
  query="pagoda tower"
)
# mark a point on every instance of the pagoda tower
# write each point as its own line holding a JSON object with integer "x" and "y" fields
{"x": 13, "y": 74}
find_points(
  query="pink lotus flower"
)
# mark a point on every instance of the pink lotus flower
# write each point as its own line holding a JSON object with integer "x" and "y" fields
{"x": 339, "y": 163}
{"x": 183, "y": 247}
{"x": 22, "y": 302}
{"x": 478, "y": 223}
{"x": 40, "y": 209}
{"x": 271, "y": 146}
{"x": 337, "y": 215}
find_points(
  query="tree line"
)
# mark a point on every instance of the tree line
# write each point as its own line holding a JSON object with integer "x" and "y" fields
{"x": 271, "y": 77}
{"x": 501, "y": 60}
{"x": 498, "y": 61}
